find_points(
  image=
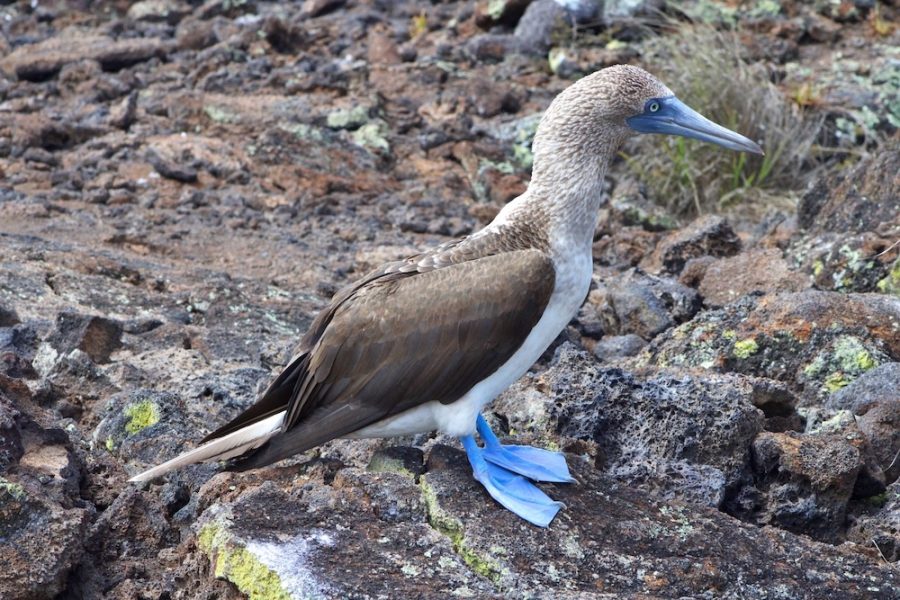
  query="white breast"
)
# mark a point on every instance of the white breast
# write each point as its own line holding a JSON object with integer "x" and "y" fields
{"x": 573, "y": 278}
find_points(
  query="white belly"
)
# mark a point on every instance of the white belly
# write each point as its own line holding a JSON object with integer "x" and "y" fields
{"x": 573, "y": 278}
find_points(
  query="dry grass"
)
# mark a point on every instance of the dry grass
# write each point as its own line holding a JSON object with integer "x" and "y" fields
{"x": 704, "y": 68}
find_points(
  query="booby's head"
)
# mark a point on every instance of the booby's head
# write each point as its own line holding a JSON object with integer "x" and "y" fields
{"x": 598, "y": 112}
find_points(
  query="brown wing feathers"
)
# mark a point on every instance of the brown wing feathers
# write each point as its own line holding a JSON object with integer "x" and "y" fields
{"x": 397, "y": 340}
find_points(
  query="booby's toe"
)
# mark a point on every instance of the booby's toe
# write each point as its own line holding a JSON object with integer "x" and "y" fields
{"x": 536, "y": 464}
{"x": 513, "y": 491}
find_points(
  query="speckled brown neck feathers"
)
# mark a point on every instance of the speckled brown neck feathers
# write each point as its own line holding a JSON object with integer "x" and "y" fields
{"x": 578, "y": 136}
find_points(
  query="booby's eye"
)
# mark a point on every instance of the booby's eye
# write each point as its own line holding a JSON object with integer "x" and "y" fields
{"x": 654, "y": 106}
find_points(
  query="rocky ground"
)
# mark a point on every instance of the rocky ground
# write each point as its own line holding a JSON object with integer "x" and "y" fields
{"x": 184, "y": 184}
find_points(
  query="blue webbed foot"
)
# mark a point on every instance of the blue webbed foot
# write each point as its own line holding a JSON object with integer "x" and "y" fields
{"x": 536, "y": 464}
{"x": 511, "y": 490}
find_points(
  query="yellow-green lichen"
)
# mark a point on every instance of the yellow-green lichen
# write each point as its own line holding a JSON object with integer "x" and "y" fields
{"x": 141, "y": 416}
{"x": 847, "y": 360}
{"x": 352, "y": 118}
{"x": 452, "y": 527}
{"x": 678, "y": 515}
{"x": 303, "y": 131}
{"x": 525, "y": 130}
{"x": 837, "y": 423}
{"x": 220, "y": 114}
{"x": 891, "y": 283}
{"x": 12, "y": 490}
{"x": 110, "y": 444}
{"x": 836, "y": 381}
{"x": 852, "y": 355}
{"x": 495, "y": 9}
{"x": 555, "y": 58}
{"x": 239, "y": 566}
{"x": 729, "y": 334}
{"x": 386, "y": 464}
{"x": 745, "y": 348}
{"x": 373, "y": 135}
{"x": 817, "y": 267}
{"x": 879, "y": 500}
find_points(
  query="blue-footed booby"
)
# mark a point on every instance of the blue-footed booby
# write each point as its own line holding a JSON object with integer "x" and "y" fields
{"x": 425, "y": 343}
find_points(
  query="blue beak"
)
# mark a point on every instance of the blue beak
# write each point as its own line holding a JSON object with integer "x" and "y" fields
{"x": 671, "y": 116}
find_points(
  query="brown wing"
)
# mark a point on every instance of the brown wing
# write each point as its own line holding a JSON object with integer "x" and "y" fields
{"x": 405, "y": 338}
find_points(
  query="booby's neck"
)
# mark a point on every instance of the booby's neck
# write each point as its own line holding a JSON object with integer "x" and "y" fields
{"x": 563, "y": 200}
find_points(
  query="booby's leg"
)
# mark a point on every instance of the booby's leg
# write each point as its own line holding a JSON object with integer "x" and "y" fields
{"x": 534, "y": 463}
{"x": 512, "y": 491}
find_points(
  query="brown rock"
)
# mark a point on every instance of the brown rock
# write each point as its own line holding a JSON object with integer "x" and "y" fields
{"x": 707, "y": 236}
{"x": 805, "y": 481}
{"x": 756, "y": 270}
{"x": 44, "y": 59}
{"x": 490, "y": 98}
{"x": 694, "y": 270}
{"x": 195, "y": 34}
{"x": 881, "y": 424}
{"x": 625, "y": 247}
{"x": 821, "y": 29}
{"x": 382, "y": 50}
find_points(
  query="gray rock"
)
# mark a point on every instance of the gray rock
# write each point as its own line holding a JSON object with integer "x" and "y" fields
{"x": 42, "y": 541}
{"x": 171, "y": 169}
{"x": 98, "y": 337}
{"x": 42, "y": 517}
{"x": 168, "y": 11}
{"x": 881, "y": 384}
{"x": 11, "y": 448}
{"x": 683, "y": 436}
{"x": 618, "y": 346}
{"x": 773, "y": 337}
{"x": 881, "y": 424}
{"x": 302, "y": 537}
{"x": 877, "y": 524}
{"x": 614, "y": 536}
{"x": 542, "y": 23}
{"x": 804, "y": 481}
{"x": 8, "y": 317}
{"x": 144, "y": 426}
{"x": 864, "y": 199}
{"x": 645, "y": 305}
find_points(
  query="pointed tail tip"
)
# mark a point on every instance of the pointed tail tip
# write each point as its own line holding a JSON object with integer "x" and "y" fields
{"x": 234, "y": 444}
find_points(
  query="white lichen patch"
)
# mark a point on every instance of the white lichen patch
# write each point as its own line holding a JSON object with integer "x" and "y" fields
{"x": 289, "y": 560}
{"x": 45, "y": 358}
{"x": 279, "y": 569}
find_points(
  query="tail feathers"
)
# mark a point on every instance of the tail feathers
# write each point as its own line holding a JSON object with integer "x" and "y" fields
{"x": 231, "y": 445}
